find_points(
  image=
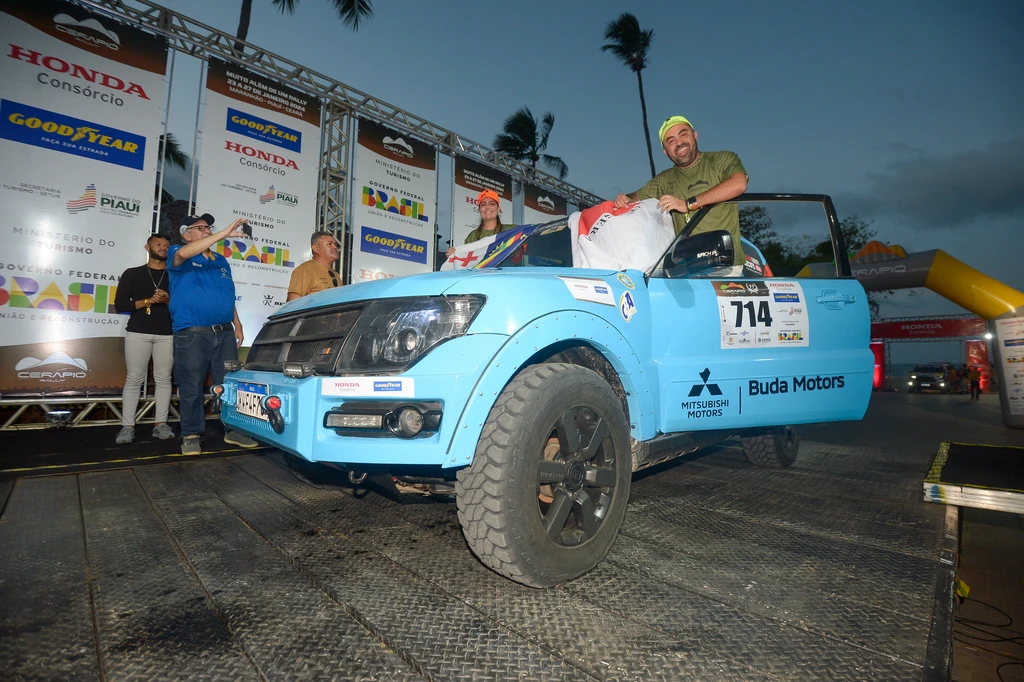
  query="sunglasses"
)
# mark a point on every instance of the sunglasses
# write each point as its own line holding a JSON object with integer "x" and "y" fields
{"x": 334, "y": 280}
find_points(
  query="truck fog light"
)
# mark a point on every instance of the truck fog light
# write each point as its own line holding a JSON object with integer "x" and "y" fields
{"x": 410, "y": 421}
{"x": 218, "y": 390}
{"x": 406, "y": 422}
{"x": 910, "y": 383}
{"x": 338, "y": 420}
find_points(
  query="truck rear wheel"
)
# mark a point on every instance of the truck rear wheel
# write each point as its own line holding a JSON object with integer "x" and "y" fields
{"x": 536, "y": 514}
{"x": 774, "y": 448}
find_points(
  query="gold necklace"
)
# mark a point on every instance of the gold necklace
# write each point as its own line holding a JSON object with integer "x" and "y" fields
{"x": 156, "y": 285}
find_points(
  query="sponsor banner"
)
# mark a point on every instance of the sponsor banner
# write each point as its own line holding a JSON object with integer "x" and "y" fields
{"x": 365, "y": 387}
{"x": 762, "y": 314}
{"x": 70, "y": 367}
{"x": 261, "y": 160}
{"x": 928, "y": 329}
{"x": 1010, "y": 341}
{"x": 541, "y": 206}
{"x": 80, "y": 123}
{"x": 471, "y": 178}
{"x": 395, "y": 186}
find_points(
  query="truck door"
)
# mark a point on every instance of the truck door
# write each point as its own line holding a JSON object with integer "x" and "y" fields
{"x": 755, "y": 350}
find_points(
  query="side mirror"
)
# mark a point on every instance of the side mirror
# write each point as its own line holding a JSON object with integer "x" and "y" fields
{"x": 699, "y": 253}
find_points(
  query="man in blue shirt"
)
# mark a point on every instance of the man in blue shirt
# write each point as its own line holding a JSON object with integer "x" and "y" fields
{"x": 206, "y": 327}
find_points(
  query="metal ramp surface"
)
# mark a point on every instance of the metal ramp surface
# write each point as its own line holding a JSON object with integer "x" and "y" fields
{"x": 236, "y": 569}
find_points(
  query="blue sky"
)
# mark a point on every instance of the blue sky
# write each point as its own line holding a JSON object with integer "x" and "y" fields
{"x": 907, "y": 112}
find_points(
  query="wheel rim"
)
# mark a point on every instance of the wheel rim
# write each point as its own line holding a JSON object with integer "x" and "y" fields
{"x": 575, "y": 486}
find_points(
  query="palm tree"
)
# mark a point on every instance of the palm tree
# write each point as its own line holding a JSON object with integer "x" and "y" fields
{"x": 173, "y": 156}
{"x": 350, "y": 11}
{"x": 630, "y": 44}
{"x": 523, "y": 140}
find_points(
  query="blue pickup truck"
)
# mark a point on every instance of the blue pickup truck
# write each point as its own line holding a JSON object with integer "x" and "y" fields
{"x": 538, "y": 388}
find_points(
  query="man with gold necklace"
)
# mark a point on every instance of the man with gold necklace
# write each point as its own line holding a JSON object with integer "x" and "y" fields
{"x": 143, "y": 292}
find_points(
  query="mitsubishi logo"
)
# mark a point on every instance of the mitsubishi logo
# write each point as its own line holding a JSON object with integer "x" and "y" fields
{"x": 697, "y": 389}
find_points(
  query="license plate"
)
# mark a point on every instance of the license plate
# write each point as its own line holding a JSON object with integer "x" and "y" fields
{"x": 249, "y": 400}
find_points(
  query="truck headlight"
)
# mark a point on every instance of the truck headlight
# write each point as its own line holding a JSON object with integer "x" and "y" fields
{"x": 392, "y": 334}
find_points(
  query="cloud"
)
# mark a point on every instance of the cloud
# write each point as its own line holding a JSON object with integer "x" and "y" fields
{"x": 929, "y": 191}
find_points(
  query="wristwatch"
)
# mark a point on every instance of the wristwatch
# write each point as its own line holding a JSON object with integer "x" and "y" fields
{"x": 691, "y": 204}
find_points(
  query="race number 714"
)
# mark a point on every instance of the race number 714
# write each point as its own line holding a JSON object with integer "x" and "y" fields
{"x": 762, "y": 315}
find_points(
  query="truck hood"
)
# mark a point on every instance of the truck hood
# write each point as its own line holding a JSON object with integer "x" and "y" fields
{"x": 428, "y": 284}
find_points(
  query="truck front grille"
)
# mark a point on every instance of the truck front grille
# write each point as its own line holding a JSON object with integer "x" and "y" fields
{"x": 311, "y": 336}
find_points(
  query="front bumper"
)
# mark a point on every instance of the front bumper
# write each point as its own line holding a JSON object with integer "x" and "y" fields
{"x": 442, "y": 380}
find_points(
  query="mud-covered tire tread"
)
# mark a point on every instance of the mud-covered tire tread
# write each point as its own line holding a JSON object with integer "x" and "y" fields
{"x": 770, "y": 448}
{"x": 483, "y": 487}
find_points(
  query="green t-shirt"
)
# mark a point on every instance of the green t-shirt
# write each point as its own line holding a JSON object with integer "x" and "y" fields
{"x": 480, "y": 233}
{"x": 709, "y": 170}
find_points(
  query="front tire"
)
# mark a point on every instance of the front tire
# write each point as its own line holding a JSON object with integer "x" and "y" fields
{"x": 537, "y": 514}
{"x": 774, "y": 448}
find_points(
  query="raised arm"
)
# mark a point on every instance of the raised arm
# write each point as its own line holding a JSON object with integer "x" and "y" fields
{"x": 194, "y": 248}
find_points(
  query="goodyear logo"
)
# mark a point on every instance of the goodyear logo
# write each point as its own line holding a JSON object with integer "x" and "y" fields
{"x": 392, "y": 245}
{"x": 263, "y": 130}
{"x": 387, "y": 386}
{"x": 787, "y": 298}
{"x": 50, "y": 130}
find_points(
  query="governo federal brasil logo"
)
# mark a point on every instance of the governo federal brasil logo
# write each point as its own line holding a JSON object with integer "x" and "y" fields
{"x": 386, "y": 200}
{"x": 234, "y": 249}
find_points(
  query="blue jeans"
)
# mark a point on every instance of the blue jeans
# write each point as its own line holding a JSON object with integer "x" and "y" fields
{"x": 195, "y": 353}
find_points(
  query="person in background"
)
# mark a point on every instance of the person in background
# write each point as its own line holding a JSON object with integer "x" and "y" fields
{"x": 490, "y": 223}
{"x": 318, "y": 273}
{"x": 974, "y": 376}
{"x": 143, "y": 292}
{"x": 207, "y": 330}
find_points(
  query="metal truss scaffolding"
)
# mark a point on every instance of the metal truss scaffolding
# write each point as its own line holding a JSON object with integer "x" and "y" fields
{"x": 343, "y": 105}
{"x": 199, "y": 40}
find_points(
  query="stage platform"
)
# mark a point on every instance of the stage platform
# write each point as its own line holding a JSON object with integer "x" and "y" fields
{"x": 234, "y": 568}
{"x": 981, "y": 476}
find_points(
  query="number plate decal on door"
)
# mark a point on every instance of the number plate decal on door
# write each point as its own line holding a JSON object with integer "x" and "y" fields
{"x": 762, "y": 314}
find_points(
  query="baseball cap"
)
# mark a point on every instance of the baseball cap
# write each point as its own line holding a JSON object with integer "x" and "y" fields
{"x": 191, "y": 220}
{"x": 489, "y": 194}
{"x": 669, "y": 123}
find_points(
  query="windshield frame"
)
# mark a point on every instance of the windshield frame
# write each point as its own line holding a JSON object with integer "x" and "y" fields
{"x": 535, "y": 229}
{"x": 842, "y": 258}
